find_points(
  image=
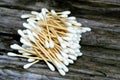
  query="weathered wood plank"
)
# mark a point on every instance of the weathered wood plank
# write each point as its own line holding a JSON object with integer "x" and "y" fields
{"x": 101, "y": 46}
{"x": 87, "y": 65}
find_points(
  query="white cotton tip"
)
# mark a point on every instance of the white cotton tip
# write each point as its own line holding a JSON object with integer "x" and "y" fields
{"x": 30, "y": 36}
{"x": 69, "y": 34}
{"x": 38, "y": 28}
{"x": 72, "y": 57}
{"x": 66, "y": 12}
{"x": 31, "y": 60}
{"x": 24, "y": 31}
{"x": 33, "y": 24}
{"x": 38, "y": 18}
{"x": 45, "y": 9}
{"x": 78, "y": 24}
{"x": 63, "y": 45}
{"x": 51, "y": 66}
{"x": 64, "y": 54}
{"x": 87, "y": 29}
{"x": 83, "y": 30}
{"x": 70, "y": 29}
{"x": 26, "y": 54}
{"x": 74, "y": 39}
{"x": 41, "y": 16}
{"x": 34, "y": 13}
{"x": 70, "y": 61}
{"x": 43, "y": 13}
{"x": 31, "y": 20}
{"x": 71, "y": 50}
{"x": 79, "y": 54}
{"x": 25, "y": 42}
{"x": 61, "y": 72}
{"x": 25, "y": 46}
{"x": 68, "y": 24}
{"x": 65, "y": 50}
{"x": 51, "y": 44}
{"x": 74, "y": 22}
{"x": 27, "y": 26}
{"x": 15, "y": 46}
{"x": 27, "y": 65}
{"x": 65, "y": 62}
{"x": 59, "y": 39}
{"x": 75, "y": 35}
{"x": 63, "y": 16}
{"x": 77, "y": 50}
{"x": 71, "y": 18}
{"x": 67, "y": 38}
{"x": 66, "y": 43}
{"x": 11, "y": 54}
{"x": 75, "y": 45}
{"x": 25, "y": 16}
{"x": 79, "y": 31}
{"x": 20, "y": 32}
{"x": 47, "y": 44}
{"x": 59, "y": 57}
{"x": 78, "y": 41}
{"x": 79, "y": 35}
{"x": 34, "y": 34}
{"x": 65, "y": 68}
{"x": 29, "y": 48}
{"x": 76, "y": 55}
{"x": 20, "y": 51}
{"x": 53, "y": 12}
{"x": 72, "y": 47}
{"x": 58, "y": 65}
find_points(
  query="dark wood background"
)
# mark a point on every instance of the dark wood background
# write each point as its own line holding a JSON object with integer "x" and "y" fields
{"x": 101, "y": 46}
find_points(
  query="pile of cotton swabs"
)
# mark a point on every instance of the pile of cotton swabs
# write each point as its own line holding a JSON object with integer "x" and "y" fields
{"x": 52, "y": 37}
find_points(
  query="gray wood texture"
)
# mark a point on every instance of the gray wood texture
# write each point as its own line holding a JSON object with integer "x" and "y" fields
{"x": 101, "y": 46}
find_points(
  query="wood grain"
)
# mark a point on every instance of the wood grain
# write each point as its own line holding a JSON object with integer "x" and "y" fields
{"x": 101, "y": 46}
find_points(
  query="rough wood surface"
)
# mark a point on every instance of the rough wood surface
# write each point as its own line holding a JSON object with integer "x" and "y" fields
{"x": 101, "y": 46}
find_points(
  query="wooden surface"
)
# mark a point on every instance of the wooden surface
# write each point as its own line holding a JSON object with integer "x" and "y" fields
{"x": 101, "y": 46}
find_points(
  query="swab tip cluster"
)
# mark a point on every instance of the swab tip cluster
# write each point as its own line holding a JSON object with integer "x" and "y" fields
{"x": 52, "y": 37}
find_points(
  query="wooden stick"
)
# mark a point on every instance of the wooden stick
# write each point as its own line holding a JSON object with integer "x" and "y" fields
{"x": 41, "y": 55}
{"x": 43, "y": 25}
{"x": 29, "y": 57}
{"x": 44, "y": 51}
